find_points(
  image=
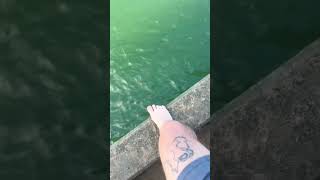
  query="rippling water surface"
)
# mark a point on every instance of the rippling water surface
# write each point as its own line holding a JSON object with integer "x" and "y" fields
{"x": 158, "y": 50}
{"x": 52, "y": 120}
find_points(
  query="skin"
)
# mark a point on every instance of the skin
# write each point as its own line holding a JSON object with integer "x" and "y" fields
{"x": 178, "y": 144}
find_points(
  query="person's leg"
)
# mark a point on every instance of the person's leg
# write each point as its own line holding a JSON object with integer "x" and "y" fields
{"x": 178, "y": 144}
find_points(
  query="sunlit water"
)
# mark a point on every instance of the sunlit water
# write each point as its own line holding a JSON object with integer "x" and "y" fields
{"x": 158, "y": 50}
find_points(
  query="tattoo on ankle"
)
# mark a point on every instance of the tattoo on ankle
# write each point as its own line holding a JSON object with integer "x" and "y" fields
{"x": 181, "y": 152}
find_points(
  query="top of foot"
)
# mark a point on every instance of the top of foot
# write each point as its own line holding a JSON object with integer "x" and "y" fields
{"x": 159, "y": 114}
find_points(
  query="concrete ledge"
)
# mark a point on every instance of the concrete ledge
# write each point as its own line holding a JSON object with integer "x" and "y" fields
{"x": 272, "y": 131}
{"x": 136, "y": 151}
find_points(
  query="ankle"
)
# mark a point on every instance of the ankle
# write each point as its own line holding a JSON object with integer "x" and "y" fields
{"x": 163, "y": 124}
{"x": 170, "y": 124}
{"x": 176, "y": 128}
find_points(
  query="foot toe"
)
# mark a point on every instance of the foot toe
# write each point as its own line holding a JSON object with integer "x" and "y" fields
{"x": 154, "y": 107}
{"x": 149, "y": 109}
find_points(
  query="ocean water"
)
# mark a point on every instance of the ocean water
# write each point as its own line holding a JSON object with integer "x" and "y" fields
{"x": 158, "y": 49}
{"x": 52, "y": 84}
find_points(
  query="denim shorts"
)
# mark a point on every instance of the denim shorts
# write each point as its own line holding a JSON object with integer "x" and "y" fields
{"x": 198, "y": 169}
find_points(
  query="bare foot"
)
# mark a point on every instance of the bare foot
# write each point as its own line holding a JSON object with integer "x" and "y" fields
{"x": 159, "y": 114}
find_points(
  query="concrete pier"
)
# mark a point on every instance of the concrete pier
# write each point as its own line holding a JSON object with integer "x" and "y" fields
{"x": 271, "y": 131}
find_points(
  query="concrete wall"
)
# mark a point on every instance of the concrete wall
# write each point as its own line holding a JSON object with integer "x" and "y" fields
{"x": 272, "y": 131}
{"x": 138, "y": 150}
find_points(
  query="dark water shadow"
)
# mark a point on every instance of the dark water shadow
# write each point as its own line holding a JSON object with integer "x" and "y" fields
{"x": 52, "y": 90}
{"x": 254, "y": 37}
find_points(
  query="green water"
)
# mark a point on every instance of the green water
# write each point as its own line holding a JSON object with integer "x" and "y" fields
{"x": 52, "y": 85}
{"x": 253, "y": 37}
{"x": 158, "y": 50}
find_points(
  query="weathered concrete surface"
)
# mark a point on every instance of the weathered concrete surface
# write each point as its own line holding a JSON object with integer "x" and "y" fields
{"x": 272, "y": 131}
{"x": 138, "y": 150}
